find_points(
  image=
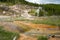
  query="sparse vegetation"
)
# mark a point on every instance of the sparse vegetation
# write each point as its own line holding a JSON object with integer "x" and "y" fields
{"x": 42, "y": 38}
{"x": 51, "y": 21}
{"x": 6, "y": 35}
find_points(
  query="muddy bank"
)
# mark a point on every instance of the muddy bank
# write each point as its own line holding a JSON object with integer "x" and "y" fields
{"x": 9, "y": 26}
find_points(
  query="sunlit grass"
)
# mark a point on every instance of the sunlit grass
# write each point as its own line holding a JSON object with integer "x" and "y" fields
{"x": 6, "y": 35}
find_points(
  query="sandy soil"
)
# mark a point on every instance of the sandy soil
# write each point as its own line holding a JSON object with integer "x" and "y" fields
{"x": 24, "y": 37}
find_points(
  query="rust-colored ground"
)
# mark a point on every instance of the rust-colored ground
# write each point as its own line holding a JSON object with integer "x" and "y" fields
{"x": 31, "y": 25}
{"x": 42, "y": 27}
{"x": 34, "y": 25}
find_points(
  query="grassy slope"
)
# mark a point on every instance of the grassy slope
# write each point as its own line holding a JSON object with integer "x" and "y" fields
{"x": 51, "y": 9}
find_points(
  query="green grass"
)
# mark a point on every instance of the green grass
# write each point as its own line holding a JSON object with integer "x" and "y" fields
{"x": 32, "y": 12}
{"x": 51, "y": 22}
{"x": 6, "y": 35}
{"x": 42, "y": 38}
{"x": 48, "y": 20}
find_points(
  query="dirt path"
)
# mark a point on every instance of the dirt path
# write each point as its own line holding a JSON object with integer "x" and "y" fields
{"x": 24, "y": 37}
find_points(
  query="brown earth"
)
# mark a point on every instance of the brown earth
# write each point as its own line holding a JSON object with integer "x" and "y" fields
{"x": 43, "y": 27}
{"x": 35, "y": 26}
{"x": 54, "y": 38}
{"x": 31, "y": 25}
{"x": 24, "y": 37}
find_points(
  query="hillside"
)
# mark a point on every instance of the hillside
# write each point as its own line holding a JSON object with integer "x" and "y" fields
{"x": 51, "y": 9}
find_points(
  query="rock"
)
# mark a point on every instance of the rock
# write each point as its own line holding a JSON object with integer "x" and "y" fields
{"x": 5, "y": 8}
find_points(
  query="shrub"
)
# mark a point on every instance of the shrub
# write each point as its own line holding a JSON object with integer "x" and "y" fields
{"x": 42, "y": 38}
